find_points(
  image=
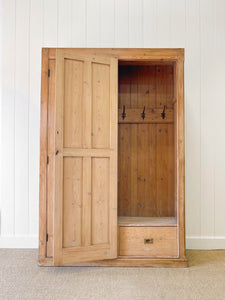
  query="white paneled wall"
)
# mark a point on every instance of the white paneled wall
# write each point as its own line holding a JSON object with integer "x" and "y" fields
{"x": 196, "y": 25}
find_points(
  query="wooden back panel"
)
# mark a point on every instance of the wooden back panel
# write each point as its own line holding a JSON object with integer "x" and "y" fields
{"x": 146, "y": 151}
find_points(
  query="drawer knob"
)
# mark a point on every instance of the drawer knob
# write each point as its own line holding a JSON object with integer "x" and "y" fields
{"x": 148, "y": 241}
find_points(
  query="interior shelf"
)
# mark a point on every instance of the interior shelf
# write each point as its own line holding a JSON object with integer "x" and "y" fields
{"x": 147, "y": 221}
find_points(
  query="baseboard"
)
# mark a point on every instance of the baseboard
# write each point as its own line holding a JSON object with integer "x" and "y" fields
{"x": 192, "y": 242}
{"x": 205, "y": 242}
{"x": 20, "y": 242}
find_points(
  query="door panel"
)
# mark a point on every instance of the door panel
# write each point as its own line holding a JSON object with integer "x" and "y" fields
{"x": 101, "y": 105}
{"x": 85, "y": 222}
{"x": 72, "y": 201}
{"x": 73, "y": 123}
{"x": 100, "y": 204}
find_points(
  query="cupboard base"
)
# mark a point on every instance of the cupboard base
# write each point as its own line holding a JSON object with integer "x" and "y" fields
{"x": 127, "y": 262}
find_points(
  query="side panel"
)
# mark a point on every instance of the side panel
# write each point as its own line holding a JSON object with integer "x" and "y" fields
{"x": 43, "y": 155}
{"x": 181, "y": 154}
{"x": 51, "y": 156}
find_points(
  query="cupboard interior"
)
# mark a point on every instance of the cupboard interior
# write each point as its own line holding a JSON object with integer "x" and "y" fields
{"x": 146, "y": 145}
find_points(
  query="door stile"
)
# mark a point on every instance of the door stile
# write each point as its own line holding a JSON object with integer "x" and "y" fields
{"x": 114, "y": 156}
{"x": 86, "y": 206}
{"x": 57, "y": 253}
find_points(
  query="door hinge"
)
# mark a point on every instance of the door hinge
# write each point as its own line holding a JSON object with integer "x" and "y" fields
{"x": 46, "y": 237}
{"x": 47, "y": 159}
{"x": 48, "y": 72}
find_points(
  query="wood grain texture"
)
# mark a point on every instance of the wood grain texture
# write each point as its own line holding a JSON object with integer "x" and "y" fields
{"x": 152, "y": 116}
{"x": 43, "y": 155}
{"x": 133, "y": 142}
{"x": 59, "y": 122}
{"x": 170, "y": 171}
{"x": 87, "y": 107}
{"x": 68, "y": 254}
{"x": 191, "y": 24}
{"x": 73, "y": 121}
{"x": 85, "y": 220}
{"x": 124, "y": 133}
{"x": 113, "y": 182}
{"x": 162, "y": 170}
{"x": 51, "y": 156}
{"x": 164, "y": 241}
{"x": 143, "y": 183}
{"x": 134, "y": 54}
{"x": 147, "y": 221}
{"x": 100, "y": 105}
{"x": 99, "y": 204}
{"x": 146, "y": 151}
{"x": 152, "y": 172}
{"x": 72, "y": 201}
{"x": 133, "y": 170}
{"x": 128, "y": 261}
{"x": 181, "y": 156}
{"x": 176, "y": 173}
{"x": 87, "y": 199}
{"x": 124, "y": 176}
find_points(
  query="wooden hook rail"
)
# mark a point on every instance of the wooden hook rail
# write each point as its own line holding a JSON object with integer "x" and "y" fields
{"x": 149, "y": 115}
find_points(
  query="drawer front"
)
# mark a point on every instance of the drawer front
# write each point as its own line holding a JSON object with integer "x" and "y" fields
{"x": 148, "y": 241}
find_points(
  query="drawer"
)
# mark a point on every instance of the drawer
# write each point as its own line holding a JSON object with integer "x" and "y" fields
{"x": 148, "y": 241}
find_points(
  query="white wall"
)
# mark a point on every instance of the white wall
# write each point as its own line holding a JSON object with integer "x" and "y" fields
{"x": 196, "y": 25}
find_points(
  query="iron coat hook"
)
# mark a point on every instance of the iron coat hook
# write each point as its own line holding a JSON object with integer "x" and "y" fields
{"x": 163, "y": 114}
{"x": 143, "y": 113}
{"x": 124, "y": 114}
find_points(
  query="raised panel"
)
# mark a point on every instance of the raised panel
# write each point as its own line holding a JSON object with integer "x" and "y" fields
{"x": 100, "y": 105}
{"x": 100, "y": 201}
{"x": 73, "y": 104}
{"x": 72, "y": 201}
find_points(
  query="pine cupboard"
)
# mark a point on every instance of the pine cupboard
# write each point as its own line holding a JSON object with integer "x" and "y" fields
{"x": 112, "y": 158}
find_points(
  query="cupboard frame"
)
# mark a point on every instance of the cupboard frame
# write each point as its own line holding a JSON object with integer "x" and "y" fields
{"x": 159, "y": 56}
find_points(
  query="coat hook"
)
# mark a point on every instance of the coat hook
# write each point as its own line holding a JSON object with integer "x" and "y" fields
{"x": 124, "y": 114}
{"x": 143, "y": 113}
{"x": 163, "y": 114}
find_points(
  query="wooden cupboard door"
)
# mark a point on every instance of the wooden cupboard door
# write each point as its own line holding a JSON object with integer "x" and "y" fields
{"x": 85, "y": 210}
